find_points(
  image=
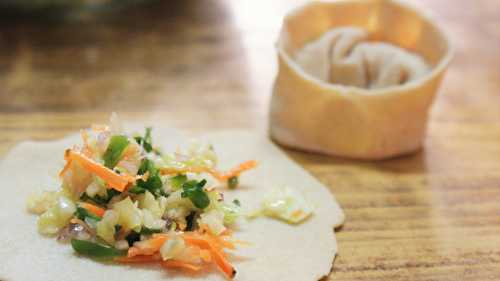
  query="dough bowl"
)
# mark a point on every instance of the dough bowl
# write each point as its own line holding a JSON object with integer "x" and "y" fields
{"x": 309, "y": 114}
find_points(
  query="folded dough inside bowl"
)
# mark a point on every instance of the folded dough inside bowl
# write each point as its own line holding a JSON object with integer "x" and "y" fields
{"x": 344, "y": 56}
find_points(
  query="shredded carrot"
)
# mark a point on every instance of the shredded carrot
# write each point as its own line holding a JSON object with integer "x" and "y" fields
{"x": 217, "y": 255}
{"x": 237, "y": 170}
{"x": 98, "y": 211}
{"x": 222, "y": 176}
{"x": 147, "y": 247}
{"x": 211, "y": 249}
{"x": 205, "y": 255}
{"x": 133, "y": 251}
{"x": 180, "y": 265}
{"x": 114, "y": 180}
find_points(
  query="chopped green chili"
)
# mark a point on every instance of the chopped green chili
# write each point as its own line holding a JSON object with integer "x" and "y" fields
{"x": 96, "y": 250}
{"x": 113, "y": 153}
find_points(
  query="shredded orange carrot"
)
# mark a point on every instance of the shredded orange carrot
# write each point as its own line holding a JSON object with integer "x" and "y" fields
{"x": 133, "y": 251}
{"x": 114, "y": 180}
{"x": 180, "y": 265}
{"x": 211, "y": 249}
{"x": 205, "y": 255}
{"x": 98, "y": 211}
{"x": 217, "y": 255}
{"x": 237, "y": 170}
{"x": 148, "y": 247}
{"x": 222, "y": 176}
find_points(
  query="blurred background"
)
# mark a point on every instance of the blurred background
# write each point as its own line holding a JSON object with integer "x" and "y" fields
{"x": 184, "y": 59}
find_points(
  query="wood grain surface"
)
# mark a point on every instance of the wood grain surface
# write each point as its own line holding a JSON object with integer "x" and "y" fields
{"x": 209, "y": 64}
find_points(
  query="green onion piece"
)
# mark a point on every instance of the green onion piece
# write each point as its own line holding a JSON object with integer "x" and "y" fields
{"x": 115, "y": 149}
{"x": 194, "y": 191}
{"x": 232, "y": 182}
{"x": 95, "y": 250}
{"x": 178, "y": 181}
{"x": 82, "y": 213}
{"x": 145, "y": 230}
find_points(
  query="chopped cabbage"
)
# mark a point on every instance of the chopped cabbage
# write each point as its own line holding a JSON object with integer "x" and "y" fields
{"x": 201, "y": 154}
{"x": 57, "y": 216}
{"x": 231, "y": 213}
{"x": 286, "y": 204}
{"x": 41, "y": 202}
{"x": 130, "y": 217}
{"x": 106, "y": 226}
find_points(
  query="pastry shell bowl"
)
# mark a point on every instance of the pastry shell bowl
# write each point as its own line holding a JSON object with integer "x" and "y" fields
{"x": 309, "y": 114}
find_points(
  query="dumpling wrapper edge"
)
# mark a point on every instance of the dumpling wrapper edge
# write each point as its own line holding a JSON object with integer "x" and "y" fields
{"x": 278, "y": 251}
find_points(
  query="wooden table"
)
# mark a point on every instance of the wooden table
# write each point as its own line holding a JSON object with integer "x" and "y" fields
{"x": 209, "y": 64}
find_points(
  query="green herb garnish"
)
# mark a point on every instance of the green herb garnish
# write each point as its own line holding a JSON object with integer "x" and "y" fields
{"x": 178, "y": 181}
{"x": 115, "y": 149}
{"x": 232, "y": 182}
{"x": 96, "y": 250}
{"x": 153, "y": 184}
{"x": 194, "y": 191}
{"x": 237, "y": 202}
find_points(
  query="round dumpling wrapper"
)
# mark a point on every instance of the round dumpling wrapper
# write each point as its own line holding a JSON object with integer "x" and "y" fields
{"x": 277, "y": 251}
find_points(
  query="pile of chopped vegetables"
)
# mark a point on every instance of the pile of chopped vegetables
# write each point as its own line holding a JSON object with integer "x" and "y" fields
{"x": 122, "y": 199}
